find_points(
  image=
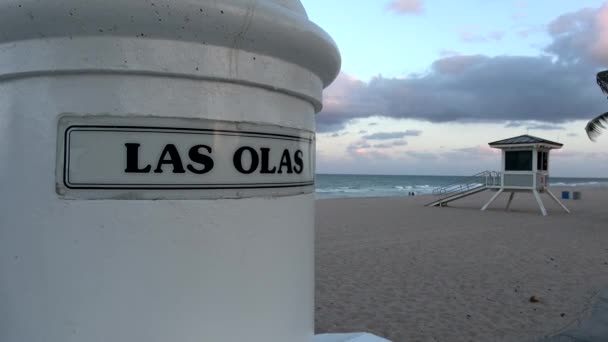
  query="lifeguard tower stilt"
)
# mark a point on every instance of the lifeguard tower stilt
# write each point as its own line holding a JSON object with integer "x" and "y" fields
{"x": 525, "y": 168}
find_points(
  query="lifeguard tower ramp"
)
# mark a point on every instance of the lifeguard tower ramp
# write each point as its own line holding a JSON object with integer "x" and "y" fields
{"x": 465, "y": 187}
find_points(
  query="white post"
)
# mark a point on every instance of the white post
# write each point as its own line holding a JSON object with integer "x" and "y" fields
{"x": 144, "y": 147}
{"x": 535, "y": 159}
{"x": 502, "y": 176}
{"x": 557, "y": 201}
{"x": 534, "y": 167}
{"x": 540, "y": 202}
{"x": 492, "y": 199}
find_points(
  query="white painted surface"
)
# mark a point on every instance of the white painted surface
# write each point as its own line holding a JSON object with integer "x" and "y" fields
{"x": 171, "y": 270}
{"x": 135, "y": 157}
{"x": 355, "y": 337}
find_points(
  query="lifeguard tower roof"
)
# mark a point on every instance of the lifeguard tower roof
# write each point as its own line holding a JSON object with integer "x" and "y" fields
{"x": 525, "y": 140}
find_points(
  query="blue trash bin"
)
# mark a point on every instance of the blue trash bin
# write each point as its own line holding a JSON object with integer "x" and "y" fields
{"x": 565, "y": 194}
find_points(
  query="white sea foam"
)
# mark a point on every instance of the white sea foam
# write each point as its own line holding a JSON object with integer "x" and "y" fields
{"x": 591, "y": 184}
{"x": 335, "y": 186}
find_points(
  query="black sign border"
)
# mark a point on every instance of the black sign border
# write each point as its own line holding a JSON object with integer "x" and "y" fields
{"x": 157, "y": 129}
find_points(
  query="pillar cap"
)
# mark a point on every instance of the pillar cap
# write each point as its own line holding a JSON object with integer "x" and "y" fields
{"x": 276, "y": 28}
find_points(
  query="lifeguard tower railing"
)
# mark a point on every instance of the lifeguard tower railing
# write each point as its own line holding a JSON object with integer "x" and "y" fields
{"x": 482, "y": 179}
{"x": 466, "y": 186}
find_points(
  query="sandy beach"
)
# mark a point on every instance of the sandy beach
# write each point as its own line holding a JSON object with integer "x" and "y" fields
{"x": 406, "y": 272}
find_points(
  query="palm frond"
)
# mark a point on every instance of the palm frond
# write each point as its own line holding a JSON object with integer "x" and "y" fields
{"x": 602, "y": 81}
{"x": 594, "y": 127}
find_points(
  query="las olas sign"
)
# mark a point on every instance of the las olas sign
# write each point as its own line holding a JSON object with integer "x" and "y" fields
{"x": 136, "y": 157}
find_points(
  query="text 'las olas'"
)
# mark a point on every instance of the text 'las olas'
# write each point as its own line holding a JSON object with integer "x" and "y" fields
{"x": 200, "y": 160}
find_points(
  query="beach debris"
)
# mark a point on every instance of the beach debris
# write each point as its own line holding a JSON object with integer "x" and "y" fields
{"x": 468, "y": 316}
{"x": 562, "y": 314}
{"x": 534, "y": 299}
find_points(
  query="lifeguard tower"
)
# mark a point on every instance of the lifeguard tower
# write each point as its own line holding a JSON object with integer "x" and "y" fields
{"x": 525, "y": 168}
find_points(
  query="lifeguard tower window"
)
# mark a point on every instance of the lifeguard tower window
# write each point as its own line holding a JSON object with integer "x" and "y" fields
{"x": 542, "y": 161}
{"x": 518, "y": 161}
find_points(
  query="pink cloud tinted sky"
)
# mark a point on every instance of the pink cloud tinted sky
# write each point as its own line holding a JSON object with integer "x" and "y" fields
{"x": 405, "y": 6}
{"x": 453, "y": 67}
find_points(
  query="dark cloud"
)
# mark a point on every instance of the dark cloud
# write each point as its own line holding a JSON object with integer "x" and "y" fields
{"x": 338, "y": 134}
{"x": 363, "y": 150}
{"x": 578, "y": 37}
{"x": 546, "y": 127}
{"x": 535, "y": 125}
{"x": 512, "y": 124}
{"x": 392, "y": 135}
{"x": 552, "y": 88}
{"x": 466, "y": 153}
{"x": 358, "y": 145}
{"x": 391, "y": 144}
{"x": 336, "y": 121}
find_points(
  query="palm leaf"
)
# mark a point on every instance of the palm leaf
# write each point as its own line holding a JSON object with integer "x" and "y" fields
{"x": 602, "y": 81}
{"x": 594, "y": 127}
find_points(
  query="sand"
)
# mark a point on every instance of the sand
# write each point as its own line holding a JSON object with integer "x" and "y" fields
{"x": 392, "y": 267}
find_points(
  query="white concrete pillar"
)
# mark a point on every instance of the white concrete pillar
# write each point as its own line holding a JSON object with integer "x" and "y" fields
{"x": 91, "y": 252}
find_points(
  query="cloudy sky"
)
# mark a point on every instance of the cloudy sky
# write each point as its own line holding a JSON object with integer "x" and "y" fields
{"x": 426, "y": 84}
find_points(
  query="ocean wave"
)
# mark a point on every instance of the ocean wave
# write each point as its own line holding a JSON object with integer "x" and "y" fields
{"x": 590, "y": 184}
{"x": 423, "y": 186}
{"x": 397, "y": 190}
{"x": 422, "y": 189}
{"x": 381, "y": 186}
{"x": 341, "y": 190}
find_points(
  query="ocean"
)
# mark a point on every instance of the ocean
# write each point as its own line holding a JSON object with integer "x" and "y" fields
{"x": 337, "y": 186}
